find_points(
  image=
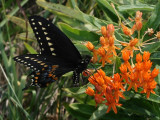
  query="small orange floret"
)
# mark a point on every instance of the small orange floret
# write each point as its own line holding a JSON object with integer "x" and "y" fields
{"x": 98, "y": 98}
{"x": 89, "y": 45}
{"x": 155, "y": 72}
{"x": 138, "y": 57}
{"x": 90, "y": 91}
{"x": 101, "y": 51}
{"x": 146, "y": 55}
{"x": 102, "y": 41}
{"x": 123, "y": 68}
{"x": 111, "y": 41}
{"x": 101, "y": 72}
{"x": 130, "y": 47}
{"x": 125, "y": 56}
{"x": 92, "y": 80}
{"x": 133, "y": 42}
{"x": 126, "y": 30}
{"x": 110, "y": 29}
{"x": 138, "y": 25}
{"x": 138, "y": 20}
{"x": 147, "y": 65}
{"x": 103, "y": 30}
{"x": 139, "y": 66}
{"x": 117, "y": 77}
{"x": 138, "y": 16}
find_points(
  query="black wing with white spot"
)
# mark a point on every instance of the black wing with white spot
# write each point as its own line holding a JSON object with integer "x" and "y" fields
{"x": 52, "y": 41}
{"x": 33, "y": 61}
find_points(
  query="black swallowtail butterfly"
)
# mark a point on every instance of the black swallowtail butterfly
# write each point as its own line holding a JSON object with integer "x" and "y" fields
{"x": 57, "y": 55}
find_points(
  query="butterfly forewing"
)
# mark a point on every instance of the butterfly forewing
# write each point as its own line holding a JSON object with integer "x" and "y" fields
{"x": 33, "y": 61}
{"x": 52, "y": 41}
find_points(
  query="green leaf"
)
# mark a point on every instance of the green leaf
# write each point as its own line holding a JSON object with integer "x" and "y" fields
{"x": 29, "y": 48}
{"x": 78, "y": 34}
{"x": 135, "y": 7}
{"x": 20, "y": 22}
{"x": 60, "y": 8}
{"x": 108, "y": 9}
{"x": 154, "y": 20}
{"x": 14, "y": 10}
{"x": 155, "y": 56}
{"x": 80, "y": 111}
{"x": 118, "y": 64}
{"x": 154, "y": 98}
{"x": 152, "y": 48}
{"x": 3, "y": 54}
{"x": 74, "y": 14}
{"x": 82, "y": 48}
{"x": 83, "y": 108}
{"x": 78, "y": 90}
{"x": 99, "y": 113}
{"x": 138, "y": 106}
{"x": 30, "y": 37}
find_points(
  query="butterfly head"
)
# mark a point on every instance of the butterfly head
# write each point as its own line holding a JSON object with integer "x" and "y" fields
{"x": 86, "y": 59}
{"x": 84, "y": 63}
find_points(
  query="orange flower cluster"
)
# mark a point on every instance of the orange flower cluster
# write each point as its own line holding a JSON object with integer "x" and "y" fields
{"x": 137, "y": 26}
{"x": 130, "y": 47}
{"x": 140, "y": 75}
{"x": 107, "y": 49}
{"x": 107, "y": 89}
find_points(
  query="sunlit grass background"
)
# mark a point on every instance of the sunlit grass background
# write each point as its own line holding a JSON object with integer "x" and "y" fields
{"x": 79, "y": 20}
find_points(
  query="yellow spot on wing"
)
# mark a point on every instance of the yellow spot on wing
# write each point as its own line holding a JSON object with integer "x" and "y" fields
{"x": 42, "y": 63}
{"x": 43, "y": 28}
{"x": 40, "y": 23}
{"x": 48, "y": 38}
{"x": 46, "y": 66}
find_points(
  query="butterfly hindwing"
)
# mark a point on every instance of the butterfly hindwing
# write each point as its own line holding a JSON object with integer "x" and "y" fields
{"x": 43, "y": 77}
{"x": 52, "y": 41}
